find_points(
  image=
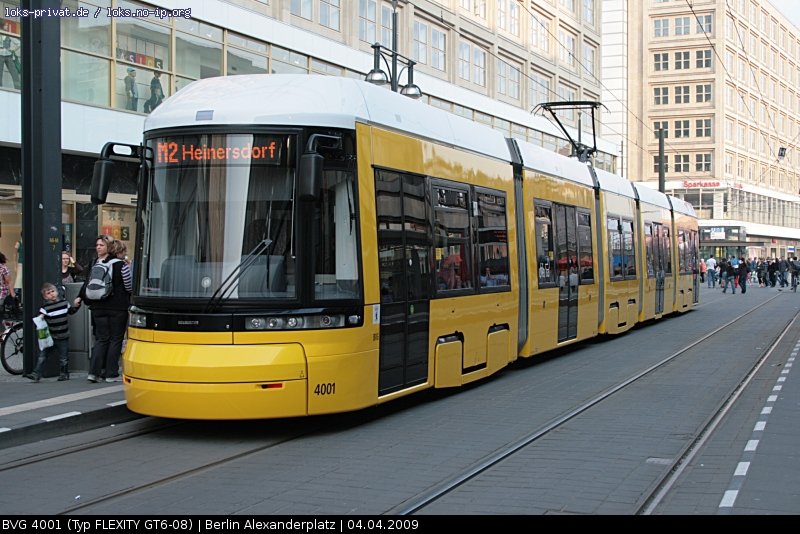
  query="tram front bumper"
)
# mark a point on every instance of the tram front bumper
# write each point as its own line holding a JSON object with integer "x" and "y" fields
{"x": 216, "y": 381}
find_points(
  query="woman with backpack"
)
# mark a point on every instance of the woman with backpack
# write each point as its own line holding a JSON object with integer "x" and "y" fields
{"x": 107, "y": 292}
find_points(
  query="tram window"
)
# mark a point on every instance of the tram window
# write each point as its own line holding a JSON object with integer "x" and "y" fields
{"x": 629, "y": 253}
{"x": 648, "y": 244}
{"x": 615, "y": 247}
{"x": 545, "y": 250}
{"x": 492, "y": 239}
{"x": 681, "y": 250}
{"x": 452, "y": 239}
{"x": 586, "y": 256}
{"x": 334, "y": 238}
{"x": 666, "y": 250}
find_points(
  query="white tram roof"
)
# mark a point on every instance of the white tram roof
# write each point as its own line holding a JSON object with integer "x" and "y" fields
{"x": 651, "y": 196}
{"x": 615, "y": 184}
{"x": 317, "y": 100}
{"x": 681, "y": 206}
{"x": 549, "y": 162}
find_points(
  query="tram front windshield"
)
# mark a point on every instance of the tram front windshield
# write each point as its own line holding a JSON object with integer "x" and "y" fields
{"x": 220, "y": 222}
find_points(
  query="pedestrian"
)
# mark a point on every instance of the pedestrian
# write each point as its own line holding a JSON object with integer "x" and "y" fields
{"x": 70, "y": 269}
{"x": 7, "y": 302}
{"x": 744, "y": 274}
{"x": 20, "y": 253}
{"x": 156, "y": 93}
{"x": 711, "y": 269}
{"x": 55, "y": 312}
{"x": 107, "y": 291}
{"x": 131, "y": 91}
{"x": 9, "y": 59}
{"x": 703, "y": 269}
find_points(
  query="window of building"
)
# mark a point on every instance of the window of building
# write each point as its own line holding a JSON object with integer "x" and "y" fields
{"x": 589, "y": 54}
{"x": 419, "y": 51}
{"x": 681, "y": 162}
{"x": 508, "y": 16}
{"x": 703, "y": 128}
{"x": 246, "y": 55}
{"x": 682, "y": 94}
{"x": 301, "y": 8}
{"x": 540, "y": 90}
{"x": 566, "y": 50}
{"x": 682, "y": 26}
{"x": 330, "y": 13}
{"x": 567, "y": 93}
{"x": 285, "y": 61}
{"x": 508, "y": 79}
{"x": 438, "y": 49}
{"x": 323, "y": 67}
{"x": 661, "y": 28}
{"x": 657, "y": 164}
{"x": 479, "y": 66}
{"x": 702, "y": 163}
{"x": 705, "y": 24}
{"x": 661, "y": 125}
{"x": 540, "y": 33}
{"x": 661, "y": 61}
{"x": 198, "y": 49}
{"x": 703, "y": 93}
{"x": 681, "y": 129}
{"x": 681, "y": 60}
{"x": 588, "y": 12}
{"x": 703, "y": 59}
{"x": 375, "y": 22}
{"x": 661, "y": 96}
{"x": 84, "y": 78}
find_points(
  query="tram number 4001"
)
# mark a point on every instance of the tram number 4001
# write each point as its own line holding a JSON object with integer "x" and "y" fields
{"x": 325, "y": 389}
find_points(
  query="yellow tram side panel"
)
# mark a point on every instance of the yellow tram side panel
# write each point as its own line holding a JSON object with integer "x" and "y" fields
{"x": 470, "y": 316}
{"x": 261, "y": 375}
{"x": 621, "y": 297}
{"x": 544, "y": 303}
{"x": 653, "y": 214}
{"x": 684, "y": 281}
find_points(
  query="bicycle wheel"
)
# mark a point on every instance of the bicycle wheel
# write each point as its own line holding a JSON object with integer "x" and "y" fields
{"x": 11, "y": 350}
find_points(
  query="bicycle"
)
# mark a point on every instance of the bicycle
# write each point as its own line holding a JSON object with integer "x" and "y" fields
{"x": 11, "y": 354}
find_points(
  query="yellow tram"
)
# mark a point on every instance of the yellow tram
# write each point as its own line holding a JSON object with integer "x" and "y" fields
{"x": 312, "y": 245}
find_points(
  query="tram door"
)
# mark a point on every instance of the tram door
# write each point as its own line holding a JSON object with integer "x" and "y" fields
{"x": 660, "y": 249}
{"x": 404, "y": 268}
{"x": 566, "y": 245}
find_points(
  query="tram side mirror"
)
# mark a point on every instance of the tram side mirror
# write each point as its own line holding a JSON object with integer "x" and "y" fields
{"x": 310, "y": 176}
{"x": 101, "y": 180}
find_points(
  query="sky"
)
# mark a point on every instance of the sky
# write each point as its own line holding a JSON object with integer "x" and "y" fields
{"x": 790, "y": 9}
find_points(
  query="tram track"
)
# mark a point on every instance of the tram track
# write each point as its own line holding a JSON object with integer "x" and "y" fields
{"x": 199, "y": 451}
{"x": 671, "y": 473}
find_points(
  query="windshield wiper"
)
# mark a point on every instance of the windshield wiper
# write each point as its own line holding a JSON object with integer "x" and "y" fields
{"x": 225, "y": 289}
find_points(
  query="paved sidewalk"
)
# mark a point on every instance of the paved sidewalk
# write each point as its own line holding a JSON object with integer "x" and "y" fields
{"x": 33, "y": 411}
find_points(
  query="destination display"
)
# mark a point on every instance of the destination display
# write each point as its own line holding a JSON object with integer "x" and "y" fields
{"x": 263, "y": 150}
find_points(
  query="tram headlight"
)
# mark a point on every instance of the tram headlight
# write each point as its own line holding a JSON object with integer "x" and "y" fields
{"x": 255, "y": 323}
{"x": 137, "y": 320}
{"x": 300, "y": 322}
{"x": 294, "y": 322}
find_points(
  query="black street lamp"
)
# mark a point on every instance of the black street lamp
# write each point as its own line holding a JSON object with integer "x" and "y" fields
{"x": 379, "y": 77}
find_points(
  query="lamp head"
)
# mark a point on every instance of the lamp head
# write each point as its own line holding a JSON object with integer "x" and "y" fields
{"x": 377, "y": 76}
{"x": 411, "y": 90}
